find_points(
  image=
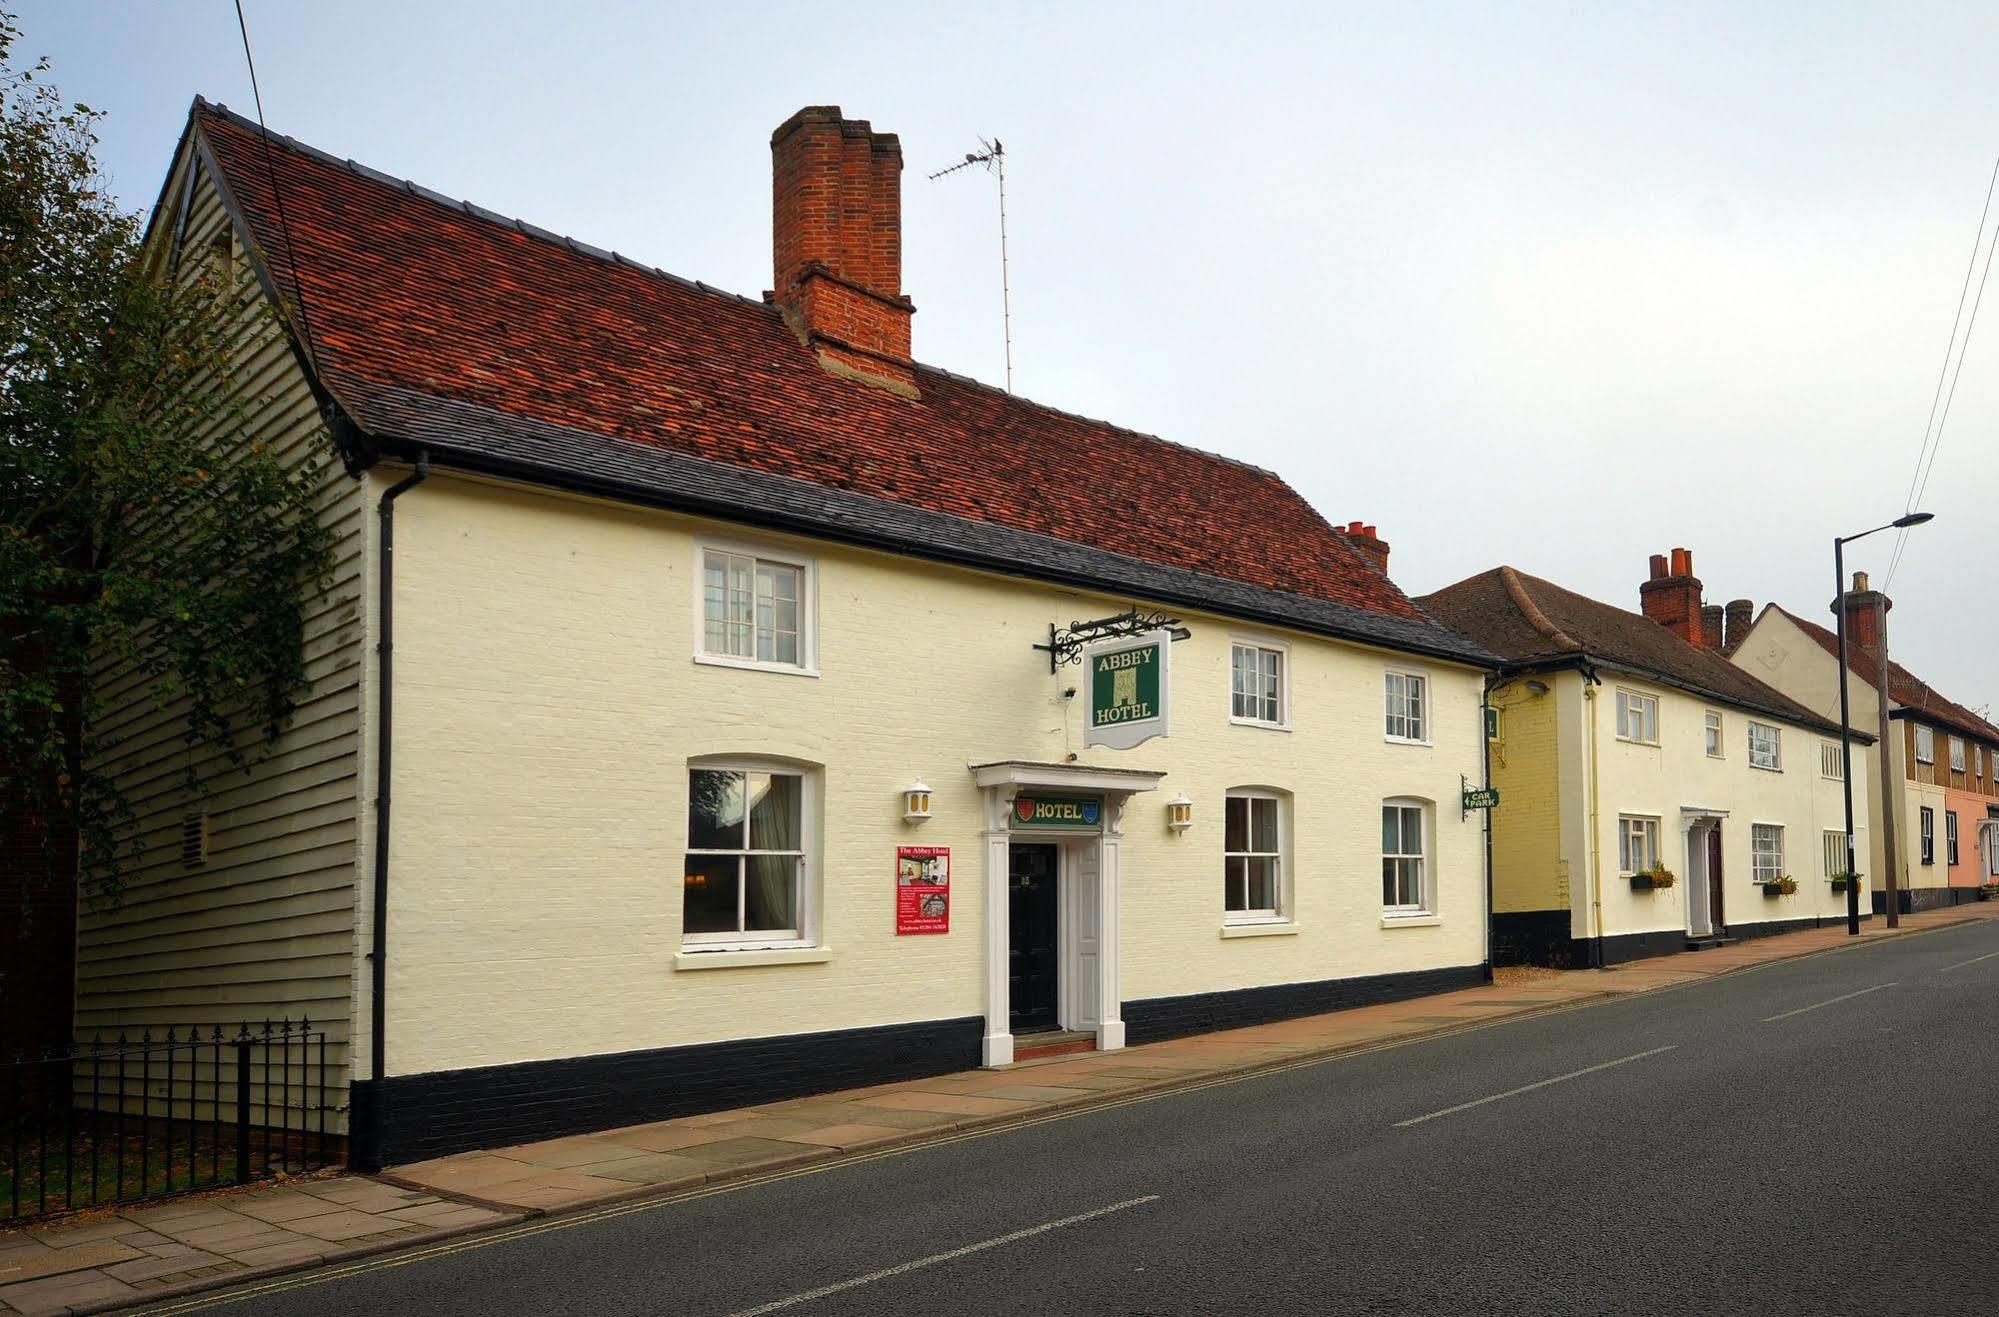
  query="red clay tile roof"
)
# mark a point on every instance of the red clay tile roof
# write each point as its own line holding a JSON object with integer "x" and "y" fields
{"x": 1904, "y": 687}
{"x": 408, "y": 293}
{"x": 1527, "y": 621}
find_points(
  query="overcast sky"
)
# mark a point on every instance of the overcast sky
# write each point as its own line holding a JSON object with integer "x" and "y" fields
{"x": 1515, "y": 283}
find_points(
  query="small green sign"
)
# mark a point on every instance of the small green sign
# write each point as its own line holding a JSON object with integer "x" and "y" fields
{"x": 1057, "y": 811}
{"x": 1481, "y": 797}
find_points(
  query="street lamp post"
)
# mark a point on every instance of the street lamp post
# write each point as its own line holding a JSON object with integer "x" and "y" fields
{"x": 1845, "y": 722}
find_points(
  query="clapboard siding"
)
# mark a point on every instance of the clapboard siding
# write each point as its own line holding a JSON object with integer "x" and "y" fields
{"x": 265, "y": 928}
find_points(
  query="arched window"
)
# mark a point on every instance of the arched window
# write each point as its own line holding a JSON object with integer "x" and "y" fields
{"x": 751, "y": 853}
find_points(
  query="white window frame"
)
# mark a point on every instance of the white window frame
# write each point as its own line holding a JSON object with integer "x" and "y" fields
{"x": 1978, "y": 761}
{"x": 1957, "y": 754}
{"x": 1832, "y": 761}
{"x": 1280, "y": 912}
{"x": 1926, "y": 745}
{"x": 1630, "y": 826}
{"x": 1776, "y": 748}
{"x": 1833, "y": 843}
{"x": 1426, "y": 869}
{"x": 1420, "y": 683}
{"x": 1926, "y": 832}
{"x": 810, "y": 787}
{"x": 1766, "y": 863}
{"x": 1262, "y": 646}
{"x": 1637, "y": 714}
{"x": 1715, "y": 729}
{"x": 1950, "y": 838}
{"x": 808, "y": 606}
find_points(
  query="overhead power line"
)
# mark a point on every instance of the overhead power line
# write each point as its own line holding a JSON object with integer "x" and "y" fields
{"x": 277, "y": 193}
{"x": 1926, "y": 453}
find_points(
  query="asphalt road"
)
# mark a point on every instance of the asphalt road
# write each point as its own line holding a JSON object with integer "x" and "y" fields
{"x": 1812, "y": 1137}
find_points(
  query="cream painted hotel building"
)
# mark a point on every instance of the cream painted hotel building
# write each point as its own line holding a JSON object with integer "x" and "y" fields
{"x": 714, "y": 705}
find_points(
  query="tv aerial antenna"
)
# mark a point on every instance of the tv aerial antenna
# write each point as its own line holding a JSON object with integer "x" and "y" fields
{"x": 992, "y": 156}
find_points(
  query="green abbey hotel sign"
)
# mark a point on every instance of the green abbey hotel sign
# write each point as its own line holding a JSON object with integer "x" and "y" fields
{"x": 1128, "y": 689}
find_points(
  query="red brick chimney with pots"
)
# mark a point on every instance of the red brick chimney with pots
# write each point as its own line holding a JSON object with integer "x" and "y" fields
{"x": 1672, "y": 597}
{"x": 1362, "y": 537}
{"x": 836, "y": 244}
{"x": 1865, "y": 609}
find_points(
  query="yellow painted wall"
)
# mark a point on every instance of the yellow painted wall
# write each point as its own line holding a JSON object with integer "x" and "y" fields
{"x": 1528, "y": 872}
{"x": 547, "y": 705}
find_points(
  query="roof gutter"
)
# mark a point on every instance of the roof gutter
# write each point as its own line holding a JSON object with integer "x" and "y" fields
{"x": 370, "y": 1154}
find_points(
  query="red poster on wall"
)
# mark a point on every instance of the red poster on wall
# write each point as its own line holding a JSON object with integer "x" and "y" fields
{"x": 922, "y": 889}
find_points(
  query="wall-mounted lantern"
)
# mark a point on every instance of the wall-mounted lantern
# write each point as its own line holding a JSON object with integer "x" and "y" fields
{"x": 916, "y": 802}
{"x": 1179, "y": 814}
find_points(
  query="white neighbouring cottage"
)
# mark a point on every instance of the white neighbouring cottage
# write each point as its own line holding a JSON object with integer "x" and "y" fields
{"x": 1657, "y": 797}
{"x": 696, "y": 646}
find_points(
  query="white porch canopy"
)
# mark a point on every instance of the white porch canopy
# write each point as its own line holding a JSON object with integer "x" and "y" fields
{"x": 1090, "y": 952}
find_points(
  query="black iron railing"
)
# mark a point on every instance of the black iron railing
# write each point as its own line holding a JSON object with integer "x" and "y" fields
{"x": 111, "y": 1121}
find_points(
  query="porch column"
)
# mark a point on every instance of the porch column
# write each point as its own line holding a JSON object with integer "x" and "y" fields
{"x": 1110, "y": 996}
{"x": 997, "y": 1047}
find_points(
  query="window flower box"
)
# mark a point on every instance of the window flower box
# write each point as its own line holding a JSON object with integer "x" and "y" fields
{"x": 1781, "y": 886}
{"x": 1989, "y": 892}
{"x": 1655, "y": 879}
{"x": 1840, "y": 881}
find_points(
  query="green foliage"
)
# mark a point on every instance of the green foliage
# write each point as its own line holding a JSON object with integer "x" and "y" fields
{"x": 146, "y": 540}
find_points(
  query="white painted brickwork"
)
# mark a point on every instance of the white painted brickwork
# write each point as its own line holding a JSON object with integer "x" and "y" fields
{"x": 547, "y": 704}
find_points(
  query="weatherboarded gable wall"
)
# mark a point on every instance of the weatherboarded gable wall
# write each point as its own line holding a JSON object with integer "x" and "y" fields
{"x": 266, "y": 926}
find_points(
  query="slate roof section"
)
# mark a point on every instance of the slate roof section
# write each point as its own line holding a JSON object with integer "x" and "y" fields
{"x": 1529, "y": 622}
{"x": 1904, "y": 687}
{"x": 514, "y": 350}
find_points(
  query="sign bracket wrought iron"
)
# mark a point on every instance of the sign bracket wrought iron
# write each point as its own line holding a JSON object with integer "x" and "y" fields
{"x": 1065, "y": 644}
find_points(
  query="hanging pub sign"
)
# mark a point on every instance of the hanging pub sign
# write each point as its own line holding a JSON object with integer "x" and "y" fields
{"x": 1127, "y": 684}
{"x": 922, "y": 889}
{"x": 1058, "y": 811}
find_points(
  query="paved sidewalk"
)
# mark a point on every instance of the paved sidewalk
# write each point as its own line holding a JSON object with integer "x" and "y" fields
{"x": 224, "y": 1238}
{"x": 95, "y": 1261}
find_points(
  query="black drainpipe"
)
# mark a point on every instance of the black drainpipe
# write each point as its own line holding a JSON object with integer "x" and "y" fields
{"x": 378, "y": 956}
{"x": 1485, "y": 744}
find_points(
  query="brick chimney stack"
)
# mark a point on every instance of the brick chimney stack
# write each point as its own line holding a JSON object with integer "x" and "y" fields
{"x": 1362, "y": 537}
{"x": 1865, "y": 611}
{"x": 1741, "y": 616}
{"x": 1711, "y": 629}
{"x": 1672, "y": 597}
{"x": 836, "y": 245}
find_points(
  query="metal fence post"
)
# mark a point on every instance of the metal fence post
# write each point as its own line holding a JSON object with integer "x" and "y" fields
{"x": 243, "y": 1107}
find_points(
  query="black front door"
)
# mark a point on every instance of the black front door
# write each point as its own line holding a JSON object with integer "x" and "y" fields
{"x": 1717, "y": 919}
{"x": 1031, "y": 937}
